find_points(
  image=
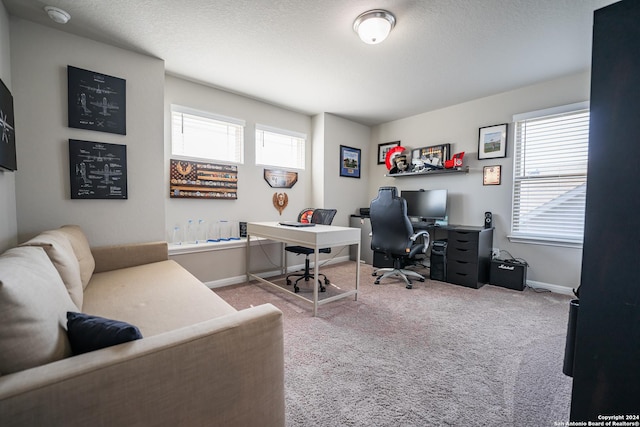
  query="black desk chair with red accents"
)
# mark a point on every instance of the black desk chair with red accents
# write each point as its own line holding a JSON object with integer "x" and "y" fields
{"x": 319, "y": 216}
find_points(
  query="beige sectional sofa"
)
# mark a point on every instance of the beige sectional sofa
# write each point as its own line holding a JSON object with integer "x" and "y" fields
{"x": 200, "y": 361}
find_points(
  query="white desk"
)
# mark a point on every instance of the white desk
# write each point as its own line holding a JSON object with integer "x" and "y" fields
{"x": 316, "y": 237}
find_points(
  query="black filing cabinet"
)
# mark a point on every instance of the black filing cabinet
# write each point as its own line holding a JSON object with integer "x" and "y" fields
{"x": 469, "y": 255}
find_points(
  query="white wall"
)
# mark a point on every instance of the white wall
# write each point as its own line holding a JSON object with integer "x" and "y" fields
{"x": 40, "y": 56}
{"x": 8, "y": 219}
{"x": 346, "y": 194}
{"x": 468, "y": 198}
{"x": 255, "y": 196}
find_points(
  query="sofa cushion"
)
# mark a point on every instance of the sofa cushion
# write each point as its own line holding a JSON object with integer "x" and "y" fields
{"x": 59, "y": 249}
{"x": 157, "y": 297}
{"x": 33, "y": 307}
{"x": 88, "y": 333}
{"x": 82, "y": 250}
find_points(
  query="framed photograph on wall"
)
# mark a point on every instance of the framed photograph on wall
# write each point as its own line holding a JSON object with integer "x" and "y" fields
{"x": 349, "y": 161}
{"x": 96, "y": 101}
{"x": 434, "y": 155}
{"x": 491, "y": 175}
{"x": 492, "y": 142}
{"x": 383, "y": 149}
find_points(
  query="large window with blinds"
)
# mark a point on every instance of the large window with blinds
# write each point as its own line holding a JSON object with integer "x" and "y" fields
{"x": 202, "y": 135}
{"x": 550, "y": 175}
{"x": 281, "y": 148}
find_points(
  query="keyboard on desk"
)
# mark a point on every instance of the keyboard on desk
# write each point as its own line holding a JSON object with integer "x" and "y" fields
{"x": 296, "y": 224}
{"x": 422, "y": 225}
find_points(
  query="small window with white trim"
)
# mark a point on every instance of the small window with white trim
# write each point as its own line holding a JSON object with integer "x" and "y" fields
{"x": 550, "y": 175}
{"x": 280, "y": 148}
{"x": 203, "y": 135}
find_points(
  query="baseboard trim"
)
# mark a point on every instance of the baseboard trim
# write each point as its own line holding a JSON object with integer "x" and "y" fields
{"x": 229, "y": 281}
{"x": 565, "y": 290}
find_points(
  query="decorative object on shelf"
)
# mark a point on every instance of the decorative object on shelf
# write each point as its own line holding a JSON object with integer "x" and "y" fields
{"x": 350, "y": 161}
{"x": 433, "y": 157}
{"x": 383, "y": 149}
{"x": 8, "y": 141}
{"x": 491, "y": 175}
{"x": 455, "y": 162}
{"x": 427, "y": 172}
{"x": 492, "y": 142}
{"x": 400, "y": 164}
{"x": 280, "y": 178}
{"x": 96, "y": 101}
{"x": 391, "y": 155}
{"x": 202, "y": 180}
{"x": 280, "y": 201}
{"x": 97, "y": 170}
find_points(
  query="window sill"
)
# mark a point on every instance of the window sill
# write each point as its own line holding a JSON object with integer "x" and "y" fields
{"x": 190, "y": 248}
{"x": 544, "y": 241}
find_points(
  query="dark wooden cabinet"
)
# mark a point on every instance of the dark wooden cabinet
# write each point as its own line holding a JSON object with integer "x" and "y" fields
{"x": 469, "y": 255}
{"x": 606, "y": 375}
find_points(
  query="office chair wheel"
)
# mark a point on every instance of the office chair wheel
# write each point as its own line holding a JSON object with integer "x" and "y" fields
{"x": 421, "y": 279}
{"x": 323, "y": 289}
{"x": 327, "y": 282}
{"x": 374, "y": 274}
{"x": 377, "y": 282}
{"x": 296, "y": 289}
{"x": 409, "y": 286}
{"x": 288, "y": 282}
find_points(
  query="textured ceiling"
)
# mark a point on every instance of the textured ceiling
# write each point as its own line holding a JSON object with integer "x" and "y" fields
{"x": 303, "y": 54}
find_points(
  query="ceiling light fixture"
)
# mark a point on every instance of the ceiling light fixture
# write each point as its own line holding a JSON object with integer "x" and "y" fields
{"x": 57, "y": 15}
{"x": 374, "y": 26}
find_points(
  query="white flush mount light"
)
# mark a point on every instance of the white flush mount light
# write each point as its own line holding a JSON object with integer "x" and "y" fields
{"x": 374, "y": 26}
{"x": 57, "y": 15}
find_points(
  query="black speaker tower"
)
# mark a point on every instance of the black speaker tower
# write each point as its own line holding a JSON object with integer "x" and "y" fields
{"x": 488, "y": 220}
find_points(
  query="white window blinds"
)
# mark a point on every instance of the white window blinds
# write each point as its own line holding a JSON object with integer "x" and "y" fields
{"x": 281, "y": 148}
{"x": 550, "y": 175}
{"x": 206, "y": 136}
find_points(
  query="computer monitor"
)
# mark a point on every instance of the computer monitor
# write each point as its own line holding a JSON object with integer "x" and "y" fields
{"x": 426, "y": 205}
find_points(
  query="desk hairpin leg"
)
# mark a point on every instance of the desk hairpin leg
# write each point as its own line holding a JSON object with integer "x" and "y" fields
{"x": 315, "y": 282}
{"x": 247, "y": 258}
{"x": 357, "y": 273}
{"x": 283, "y": 258}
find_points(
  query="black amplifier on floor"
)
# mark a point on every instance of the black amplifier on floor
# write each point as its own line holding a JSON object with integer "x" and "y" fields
{"x": 510, "y": 274}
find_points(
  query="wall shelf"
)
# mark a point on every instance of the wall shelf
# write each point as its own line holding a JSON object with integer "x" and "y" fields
{"x": 465, "y": 169}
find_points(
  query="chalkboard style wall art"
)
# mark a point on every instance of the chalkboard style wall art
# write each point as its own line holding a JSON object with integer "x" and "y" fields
{"x": 202, "y": 180}
{"x": 8, "y": 141}
{"x": 97, "y": 170}
{"x": 96, "y": 101}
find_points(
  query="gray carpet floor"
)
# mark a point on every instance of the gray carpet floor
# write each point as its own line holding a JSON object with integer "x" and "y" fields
{"x": 435, "y": 355}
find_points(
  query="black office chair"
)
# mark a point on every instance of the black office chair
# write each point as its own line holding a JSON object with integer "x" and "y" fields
{"x": 392, "y": 234}
{"x": 320, "y": 216}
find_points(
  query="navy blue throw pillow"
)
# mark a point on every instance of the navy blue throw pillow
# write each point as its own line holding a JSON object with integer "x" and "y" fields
{"x": 88, "y": 333}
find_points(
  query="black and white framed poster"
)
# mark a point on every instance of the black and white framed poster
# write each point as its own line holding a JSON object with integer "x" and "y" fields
{"x": 96, "y": 101}
{"x": 97, "y": 170}
{"x": 8, "y": 140}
